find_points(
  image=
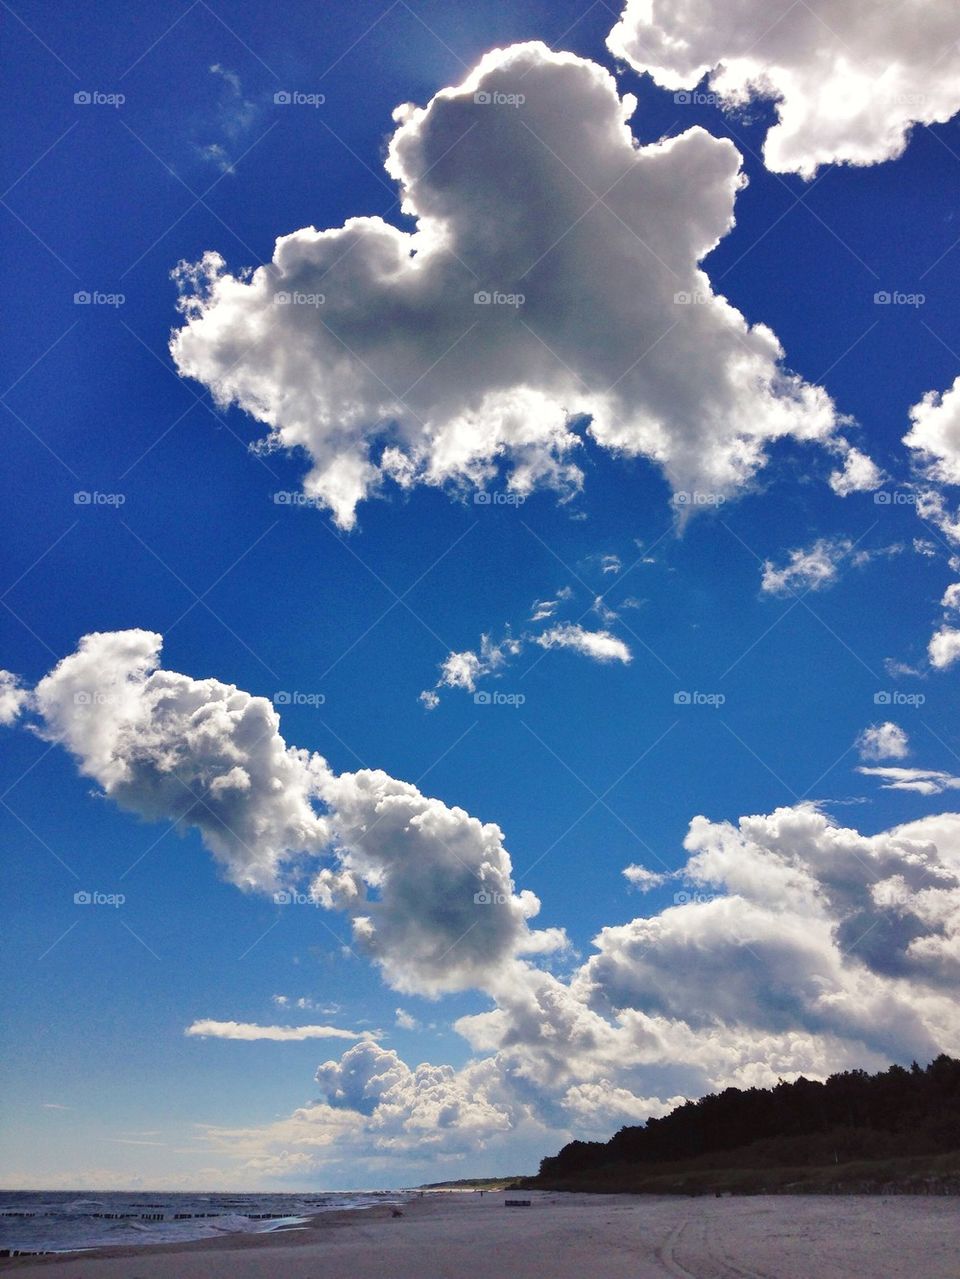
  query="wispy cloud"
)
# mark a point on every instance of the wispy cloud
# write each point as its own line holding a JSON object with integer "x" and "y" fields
{"x": 925, "y": 781}
{"x": 246, "y": 1030}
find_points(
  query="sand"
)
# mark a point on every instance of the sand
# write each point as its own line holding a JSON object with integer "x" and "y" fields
{"x": 464, "y": 1236}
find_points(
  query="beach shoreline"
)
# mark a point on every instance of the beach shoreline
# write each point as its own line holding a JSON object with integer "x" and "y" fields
{"x": 449, "y": 1234}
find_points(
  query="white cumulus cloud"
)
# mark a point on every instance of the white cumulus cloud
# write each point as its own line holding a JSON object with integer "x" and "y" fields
{"x": 944, "y": 647}
{"x": 883, "y": 741}
{"x": 515, "y": 315}
{"x": 848, "y": 79}
{"x": 405, "y": 868}
{"x": 935, "y": 434}
{"x": 802, "y": 946}
{"x": 643, "y": 879}
{"x": 13, "y": 698}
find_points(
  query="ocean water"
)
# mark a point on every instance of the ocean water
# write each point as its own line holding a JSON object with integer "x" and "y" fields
{"x": 65, "y": 1221}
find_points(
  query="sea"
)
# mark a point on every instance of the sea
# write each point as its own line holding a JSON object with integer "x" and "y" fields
{"x": 71, "y": 1221}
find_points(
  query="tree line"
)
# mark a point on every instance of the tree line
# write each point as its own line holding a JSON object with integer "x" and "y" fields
{"x": 852, "y": 1115}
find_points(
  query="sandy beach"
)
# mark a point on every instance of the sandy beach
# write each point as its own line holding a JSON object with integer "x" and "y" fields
{"x": 559, "y": 1235}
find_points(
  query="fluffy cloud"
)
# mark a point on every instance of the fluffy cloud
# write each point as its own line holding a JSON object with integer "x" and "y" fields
{"x": 512, "y": 313}
{"x": 207, "y": 1029}
{"x": 405, "y": 868}
{"x": 428, "y": 888}
{"x": 935, "y": 434}
{"x": 192, "y": 752}
{"x": 847, "y": 85}
{"x": 13, "y": 698}
{"x": 859, "y": 474}
{"x": 925, "y": 781}
{"x": 883, "y": 741}
{"x": 600, "y": 645}
{"x": 944, "y": 647}
{"x": 800, "y": 946}
{"x": 430, "y": 1105}
{"x": 641, "y": 878}
{"x": 806, "y": 570}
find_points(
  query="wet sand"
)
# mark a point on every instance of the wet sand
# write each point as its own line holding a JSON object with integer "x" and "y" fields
{"x": 569, "y": 1236}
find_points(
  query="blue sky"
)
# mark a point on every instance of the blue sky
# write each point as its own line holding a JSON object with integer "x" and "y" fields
{"x": 599, "y": 768}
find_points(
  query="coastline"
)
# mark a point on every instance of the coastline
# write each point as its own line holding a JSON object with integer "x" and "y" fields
{"x": 446, "y": 1235}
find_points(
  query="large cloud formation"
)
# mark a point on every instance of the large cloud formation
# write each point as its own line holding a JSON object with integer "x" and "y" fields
{"x": 793, "y": 945}
{"x": 796, "y": 946}
{"x": 552, "y": 280}
{"x": 203, "y": 754}
{"x": 849, "y": 79}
